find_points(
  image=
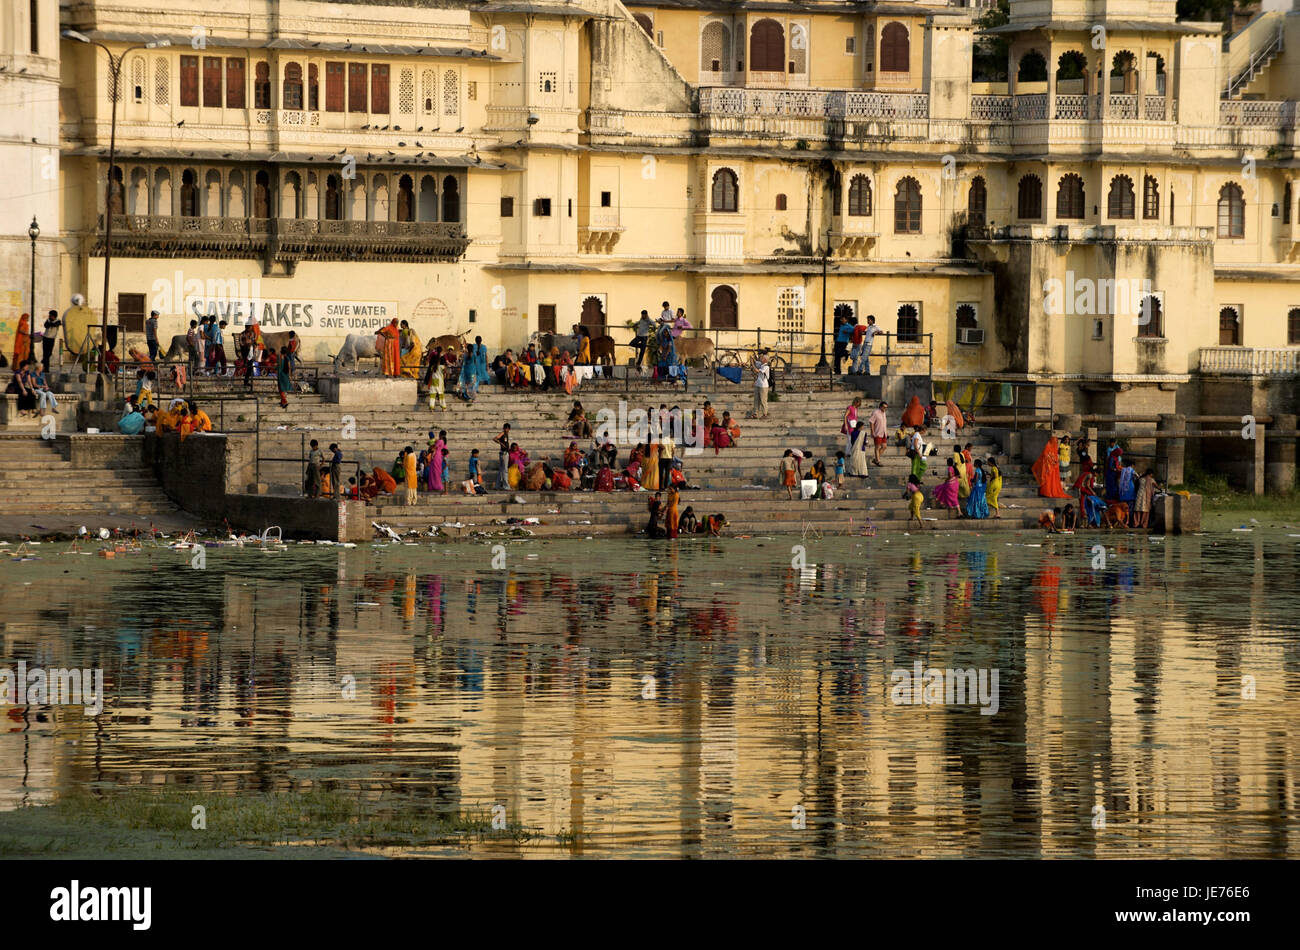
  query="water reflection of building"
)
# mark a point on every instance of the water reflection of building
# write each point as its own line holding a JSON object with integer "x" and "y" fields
{"x": 527, "y": 688}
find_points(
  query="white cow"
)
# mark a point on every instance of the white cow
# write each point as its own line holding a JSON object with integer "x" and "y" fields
{"x": 357, "y": 346}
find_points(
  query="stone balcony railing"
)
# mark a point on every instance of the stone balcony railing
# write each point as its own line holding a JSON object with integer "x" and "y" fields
{"x": 154, "y": 235}
{"x": 1257, "y": 113}
{"x": 813, "y": 103}
{"x": 1251, "y": 361}
{"x": 1080, "y": 232}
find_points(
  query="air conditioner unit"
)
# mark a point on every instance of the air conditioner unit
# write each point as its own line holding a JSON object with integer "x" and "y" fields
{"x": 972, "y": 335}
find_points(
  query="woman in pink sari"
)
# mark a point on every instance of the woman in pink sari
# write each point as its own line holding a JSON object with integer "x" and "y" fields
{"x": 850, "y": 425}
{"x": 434, "y": 469}
{"x": 1047, "y": 472}
{"x": 945, "y": 493}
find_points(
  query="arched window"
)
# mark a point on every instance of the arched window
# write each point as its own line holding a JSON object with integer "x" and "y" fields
{"x": 313, "y": 87}
{"x": 450, "y": 199}
{"x": 1072, "y": 67}
{"x": 1232, "y": 212}
{"x": 859, "y": 197}
{"x": 895, "y": 49}
{"x": 835, "y": 194}
{"x": 977, "y": 202}
{"x": 909, "y": 324}
{"x": 212, "y": 193}
{"x": 907, "y": 207}
{"x": 1293, "y": 326}
{"x": 966, "y": 317}
{"x": 1150, "y": 199}
{"x": 139, "y": 194}
{"x": 292, "y": 98}
{"x": 1033, "y": 67}
{"x": 723, "y": 313}
{"x": 1123, "y": 73}
{"x": 1069, "y": 197}
{"x": 262, "y": 195}
{"x": 117, "y": 191}
{"x": 289, "y": 191}
{"x": 645, "y": 23}
{"x": 189, "y": 194}
{"x": 405, "y": 199}
{"x": 262, "y": 86}
{"x": 333, "y": 204}
{"x": 715, "y": 48}
{"x": 726, "y": 191}
{"x": 1229, "y": 327}
{"x": 428, "y": 198}
{"x": 1119, "y": 202}
{"x": 767, "y": 47}
{"x": 1029, "y": 198}
{"x": 1150, "y": 317}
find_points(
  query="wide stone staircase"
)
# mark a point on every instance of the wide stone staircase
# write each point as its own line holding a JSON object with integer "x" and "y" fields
{"x": 741, "y": 481}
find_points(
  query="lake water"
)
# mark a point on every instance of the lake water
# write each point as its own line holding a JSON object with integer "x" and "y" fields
{"x": 733, "y": 697}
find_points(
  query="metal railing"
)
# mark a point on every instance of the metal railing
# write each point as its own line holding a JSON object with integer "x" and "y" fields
{"x": 125, "y": 379}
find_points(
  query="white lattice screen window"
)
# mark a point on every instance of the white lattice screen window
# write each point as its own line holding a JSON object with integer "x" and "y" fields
{"x": 137, "y": 79}
{"x": 450, "y": 93}
{"x": 789, "y": 315}
{"x": 471, "y": 91}
{"x": 715, "y": 48}
{"x": 427, "y": 83}
{"x": 406, "y": 92}
{"x": 161, "y": 81}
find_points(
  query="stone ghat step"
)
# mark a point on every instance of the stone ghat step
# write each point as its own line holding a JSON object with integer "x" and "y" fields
{"x": 103, "y": 507}
{"x": 796, "y": 528}
{"x": 85, "y": 480}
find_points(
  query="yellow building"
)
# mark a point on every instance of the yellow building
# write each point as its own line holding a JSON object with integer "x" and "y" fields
{"x": 1110, "y": 208}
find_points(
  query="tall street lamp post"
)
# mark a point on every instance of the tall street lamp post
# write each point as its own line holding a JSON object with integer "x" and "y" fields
{"x": 33, "y": 231}
{"x": 115, "y": 88}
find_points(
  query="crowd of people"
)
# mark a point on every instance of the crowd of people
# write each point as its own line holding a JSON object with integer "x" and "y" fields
{"x": 1123, "y": 500}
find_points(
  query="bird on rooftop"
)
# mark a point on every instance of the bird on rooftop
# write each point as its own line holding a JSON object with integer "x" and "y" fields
{"x": 461, "y": 129}
{"x": 180, "y": 123}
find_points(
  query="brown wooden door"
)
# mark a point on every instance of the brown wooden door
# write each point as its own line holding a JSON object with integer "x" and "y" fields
{"x": 546, "y": 318}
{"x": 130, "y": 312}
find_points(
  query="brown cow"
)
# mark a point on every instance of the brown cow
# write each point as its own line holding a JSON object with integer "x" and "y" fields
{"x": 602, "y": 350}
{"x": 695, "y": 348}
{"x": 448, "y": 341}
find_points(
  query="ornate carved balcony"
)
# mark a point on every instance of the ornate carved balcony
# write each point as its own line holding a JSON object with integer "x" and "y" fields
{"x": 600, "y": 233}
{"x": 282, "y": 239}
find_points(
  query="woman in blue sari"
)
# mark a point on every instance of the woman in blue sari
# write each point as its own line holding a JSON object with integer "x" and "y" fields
{"x": 478, "y": 361}
{"x": 977, "y": 502}
{"x": 667, "y": 349}
{"x": 1128, "y": 485}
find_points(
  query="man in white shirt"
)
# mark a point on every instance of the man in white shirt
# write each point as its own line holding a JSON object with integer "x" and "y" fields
{"x": 667, "y": 315}
{"x": 762, "y": 376}
{"x": 862, "y": 346}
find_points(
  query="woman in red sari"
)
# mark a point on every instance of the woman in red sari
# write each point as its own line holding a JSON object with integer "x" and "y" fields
{"x": 1047, "y": 471}
{"x": 388, "y": 343}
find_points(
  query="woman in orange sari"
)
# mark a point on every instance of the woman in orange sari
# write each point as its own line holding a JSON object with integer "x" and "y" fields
{"x": 1047, "y": 471}
{"x": 388, "y": 343}
{"x": 22, "y": 342}
{"x": 958, "y": 420}
{"x": 914, "y": 414}
{"x": 671, "y": 516}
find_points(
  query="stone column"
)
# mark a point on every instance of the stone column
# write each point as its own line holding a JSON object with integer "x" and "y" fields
{"x": 1171, "y": 450}
{"x": 1070, "y": 423}
{"x": 1280, "y": 455}
{"x": 1257, "y": 463}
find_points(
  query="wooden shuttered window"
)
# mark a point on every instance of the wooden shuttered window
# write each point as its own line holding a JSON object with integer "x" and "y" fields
{"x": 357, "y": 87}
{"x": 379, "y": 89}
{"x": 189, "y": 80}
{"x": 212, "y": 82}
{"x": 334, "y": 87}
{"x": 235, "y": 80}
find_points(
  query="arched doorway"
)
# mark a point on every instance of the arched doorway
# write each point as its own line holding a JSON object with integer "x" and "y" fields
{"x": 593, "y": 314}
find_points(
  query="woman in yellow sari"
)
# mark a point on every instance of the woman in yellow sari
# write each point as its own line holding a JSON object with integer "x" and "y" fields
{"x": 584, "y": 349}
{"x": 411, "y": 350}
{"x": 650, "y": 478}
{"x": 388, "y": 344}
{"x": 994, "y": 487}
{"x": 963, "y": 479}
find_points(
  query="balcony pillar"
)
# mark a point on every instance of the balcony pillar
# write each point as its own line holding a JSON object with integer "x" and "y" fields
{"x": 1051, "y": 88}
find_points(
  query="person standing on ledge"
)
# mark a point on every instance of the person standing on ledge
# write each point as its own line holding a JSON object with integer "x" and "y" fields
{"x": 311, "y": 481}
{"x": 49, "y": 338}
{"x": 879, "y": 431}
{"x": 642, "y": 338}
{"x": 503, "y": 458}
{"x": 282, "y": 381}
{"x": 151, "y": 335}
{"x": 762, "y": 374}
{"x": 388, "y": 346}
